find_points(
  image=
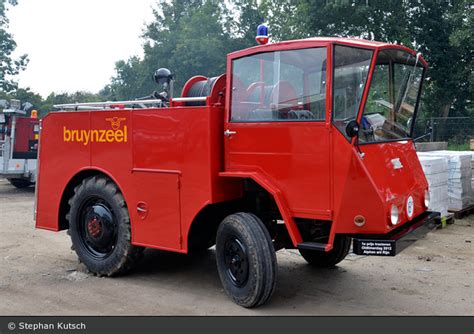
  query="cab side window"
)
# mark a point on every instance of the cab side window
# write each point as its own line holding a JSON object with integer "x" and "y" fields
{"x": 281, "y": 86}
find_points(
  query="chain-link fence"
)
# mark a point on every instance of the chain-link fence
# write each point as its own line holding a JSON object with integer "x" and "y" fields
{"x": 457, "y": 131}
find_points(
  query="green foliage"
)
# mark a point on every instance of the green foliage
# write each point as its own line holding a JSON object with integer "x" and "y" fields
{"x": 47, "y": 105}
{"x": 193, "y": 37}
{"x": 458, "y": 147}
{"x": 9, "y": 67}
{"x": 24, "y": 95}
{"x": 43, "y": 106}
{"x": 441, "y": 30}
{"x": 381, "y": 20}
{"x": 462, "y": 39}
{"x": 190, "y": 37}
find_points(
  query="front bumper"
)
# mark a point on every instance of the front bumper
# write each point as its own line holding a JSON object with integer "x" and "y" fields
{"x": 397, "y": 240}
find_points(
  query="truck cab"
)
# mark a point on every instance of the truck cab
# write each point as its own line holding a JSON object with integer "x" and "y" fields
{"x": 329, "y": 123}
{"x": 303, "y": 144}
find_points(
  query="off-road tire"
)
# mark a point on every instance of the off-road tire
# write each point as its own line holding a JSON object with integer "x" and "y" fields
{"x": 122, "y": 255}
{"x": 342, "y": 244}
{"x": 20, "y": 183}
{"x": 248, "y": 230}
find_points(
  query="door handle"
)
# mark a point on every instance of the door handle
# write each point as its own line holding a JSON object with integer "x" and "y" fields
{"x": 229, "y": 133}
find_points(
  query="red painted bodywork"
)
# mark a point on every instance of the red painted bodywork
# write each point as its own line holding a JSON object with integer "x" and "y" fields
{"x": 176, "y": 161}
{"x": 24, "y": 134}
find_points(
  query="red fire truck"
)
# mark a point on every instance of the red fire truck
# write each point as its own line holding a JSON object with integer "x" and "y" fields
{"x": 18, "y": 144}
{"x": 303, "y": 144}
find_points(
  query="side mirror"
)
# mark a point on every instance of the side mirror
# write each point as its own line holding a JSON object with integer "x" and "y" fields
{"x": 352, "y": 129}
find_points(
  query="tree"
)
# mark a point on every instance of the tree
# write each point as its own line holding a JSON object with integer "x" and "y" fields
{"x": 193, "y": 37}
{"x": 186, "y": 37}
{"x": 63, "y": 98}
{"x": 441, "y": 30}
{"x": 242, "y": 22}
{"x": 129, "y": 82}
{"x": 9, "y": 67}
{"x": 190, "y": 37}
{"x": 462, "y": 40}
{"x": 381, "y": 20}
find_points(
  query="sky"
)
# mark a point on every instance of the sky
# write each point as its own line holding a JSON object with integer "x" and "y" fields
{"x": 73, "y": 44}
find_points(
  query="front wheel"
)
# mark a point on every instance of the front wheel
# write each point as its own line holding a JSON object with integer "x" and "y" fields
{"x": 99, "y": 226}
{"x": 341, "y": 247}
{"x": 246, "y": 259}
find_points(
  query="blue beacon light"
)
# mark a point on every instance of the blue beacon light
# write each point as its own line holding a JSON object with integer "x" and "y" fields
{"x": 262, "y": 34}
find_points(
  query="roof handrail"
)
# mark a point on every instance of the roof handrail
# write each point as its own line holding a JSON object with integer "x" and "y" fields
{"x": 112, "y": 104}
{"x": 104, "y": 105}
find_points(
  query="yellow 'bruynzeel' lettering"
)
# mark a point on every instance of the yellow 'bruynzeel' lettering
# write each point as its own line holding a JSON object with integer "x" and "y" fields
{"x": 95, "y": 136}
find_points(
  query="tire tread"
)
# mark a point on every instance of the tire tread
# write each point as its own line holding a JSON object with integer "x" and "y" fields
{"x": 131, "y": 254}
{"x": 342, "y": 245}
{"x": 265, "y": 271}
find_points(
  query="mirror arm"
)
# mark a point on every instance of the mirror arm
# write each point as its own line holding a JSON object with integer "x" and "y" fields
{"x": 361, "y": 154}
{"x": 352, "y": 130}
{"x": 356, "y": 135}
{"x": 430, "y": 131}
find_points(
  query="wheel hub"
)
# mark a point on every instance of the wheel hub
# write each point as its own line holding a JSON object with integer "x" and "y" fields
{"x": 94, "y": 227}
{"x": 99, "y": 229}
{"x": 236, "y": 262}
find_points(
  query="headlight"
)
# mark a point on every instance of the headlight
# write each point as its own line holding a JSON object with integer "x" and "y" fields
{"x": 394, "y": 215}
{"x": 427, "y": 199}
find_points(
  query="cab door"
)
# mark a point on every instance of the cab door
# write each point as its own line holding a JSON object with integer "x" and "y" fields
{"x": 277, "y": 126}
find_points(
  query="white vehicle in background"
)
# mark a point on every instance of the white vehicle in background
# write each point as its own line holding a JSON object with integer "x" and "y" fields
{"x": 19, "y": 136}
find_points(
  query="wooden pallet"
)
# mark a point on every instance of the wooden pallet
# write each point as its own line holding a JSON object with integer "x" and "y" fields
{"x": 442, "y": 222}
{"x": 460, "y": 214}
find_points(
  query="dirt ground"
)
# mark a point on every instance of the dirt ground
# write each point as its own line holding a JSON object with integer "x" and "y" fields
{"x": 40, "y": 275}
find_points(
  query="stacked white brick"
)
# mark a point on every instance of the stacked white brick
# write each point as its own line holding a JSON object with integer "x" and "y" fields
{"x": 436, "y": 171}
{"x": 472, "y": 170}
{"x": 459, "y": 178}
{"x": 471, "y": 153}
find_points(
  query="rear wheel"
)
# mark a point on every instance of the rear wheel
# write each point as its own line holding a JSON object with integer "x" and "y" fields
{"x": 99, "y": 225}
{"x": 20, "y": 183}
{"x": 246, "y": 259}
{"x": 329, "y": 259}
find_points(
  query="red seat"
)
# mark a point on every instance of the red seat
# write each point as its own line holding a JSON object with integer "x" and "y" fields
{"x": 284, "y": 93}
{"x": 239, "y": 95}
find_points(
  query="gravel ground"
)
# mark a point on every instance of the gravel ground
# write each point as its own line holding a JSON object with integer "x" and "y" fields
{"x": 40, "y": 275}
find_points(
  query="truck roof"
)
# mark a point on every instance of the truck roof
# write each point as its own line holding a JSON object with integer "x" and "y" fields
{"x": 355, "y": 41}
{"x": 319, "y": 41}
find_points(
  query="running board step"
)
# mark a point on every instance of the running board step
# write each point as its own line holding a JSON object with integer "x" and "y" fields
{"x": 318, "y": 246}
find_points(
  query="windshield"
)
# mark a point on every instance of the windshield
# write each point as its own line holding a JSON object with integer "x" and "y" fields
{"x": 394, "y": 91}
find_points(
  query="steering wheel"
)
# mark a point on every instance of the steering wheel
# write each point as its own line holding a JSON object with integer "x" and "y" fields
{"x": 253, "y": 87}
